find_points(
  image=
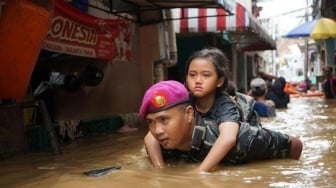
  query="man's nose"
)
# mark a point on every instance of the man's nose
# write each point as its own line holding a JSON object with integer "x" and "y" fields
{"x": 158, "y": 128}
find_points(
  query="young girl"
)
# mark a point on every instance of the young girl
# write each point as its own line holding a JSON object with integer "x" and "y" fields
{"x": 206, "y": 79}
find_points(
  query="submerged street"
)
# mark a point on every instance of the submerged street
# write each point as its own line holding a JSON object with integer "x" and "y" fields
{"x": 311, "y": 119}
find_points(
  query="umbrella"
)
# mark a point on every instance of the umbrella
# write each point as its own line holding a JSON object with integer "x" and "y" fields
{"x": 321, "y": 28}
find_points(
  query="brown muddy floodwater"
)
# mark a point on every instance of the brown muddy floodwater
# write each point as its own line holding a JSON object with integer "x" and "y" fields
{"x": 311, "y": 119}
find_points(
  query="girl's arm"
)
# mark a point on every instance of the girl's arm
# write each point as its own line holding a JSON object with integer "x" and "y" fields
{"x": 154, "y": 150}
{"x": 224, "y": 143}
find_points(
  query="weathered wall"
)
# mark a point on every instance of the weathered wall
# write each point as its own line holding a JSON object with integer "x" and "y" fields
{"x": 122, "y": 88}
{"x": 149, "y": 52}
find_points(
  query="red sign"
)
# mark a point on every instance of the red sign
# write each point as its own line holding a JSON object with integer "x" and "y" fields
{"x": 77, "y": 33}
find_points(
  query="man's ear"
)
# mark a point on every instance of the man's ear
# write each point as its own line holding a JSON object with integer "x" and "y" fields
{"x": 190, "y": 113}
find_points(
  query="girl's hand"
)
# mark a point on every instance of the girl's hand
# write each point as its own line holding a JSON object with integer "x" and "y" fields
{"x": 197, "y": 170}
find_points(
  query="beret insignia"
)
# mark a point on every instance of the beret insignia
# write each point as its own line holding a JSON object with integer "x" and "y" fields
{"x": 159, "y": 99}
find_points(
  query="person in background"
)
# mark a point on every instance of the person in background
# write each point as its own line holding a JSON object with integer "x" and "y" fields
{"x": 329, "y": 83}
{"x": 265, "y": 108}
{"x": 259, "y": 73}
{"x": 177, "y": 131}
{"x": 245, "y": 104}
{"x": 277, "y": 93}
{"x": 290, "y": 89}
{"x": 300, "y": 77}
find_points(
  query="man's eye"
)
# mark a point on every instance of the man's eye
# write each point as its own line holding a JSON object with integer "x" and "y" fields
{"x": 148, "y": 122}
{"x": 164, "y": 120}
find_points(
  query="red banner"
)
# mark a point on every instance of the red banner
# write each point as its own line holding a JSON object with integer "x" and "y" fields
{"x": 76, "y": 33}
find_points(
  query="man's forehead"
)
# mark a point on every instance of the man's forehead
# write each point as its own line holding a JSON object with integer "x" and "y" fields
{"x": 163, "y": 113}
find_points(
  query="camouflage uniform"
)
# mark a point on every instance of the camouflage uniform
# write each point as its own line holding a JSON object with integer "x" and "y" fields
{"x": 253, "y": 142}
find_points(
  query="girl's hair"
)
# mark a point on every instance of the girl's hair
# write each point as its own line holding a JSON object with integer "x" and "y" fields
{"x": 218, "y": 59}
{"x": 231, "y": 89}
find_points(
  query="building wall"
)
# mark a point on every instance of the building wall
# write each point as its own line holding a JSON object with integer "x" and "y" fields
{"x": 149, "y": 51}
{"x": 119, "y": 92}
{"x": 241, "y": 71}
{"x": 123, "y": 86}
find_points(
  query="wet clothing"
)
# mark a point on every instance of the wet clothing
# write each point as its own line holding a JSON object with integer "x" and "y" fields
{"x": 245, "y": 104}
{"x": 277, "y": 94}
{"x": 223, "y": 110}
{"x": 253, "y": 142}
{"x": 329, "y": 87}
{"x": 263, "y": 110}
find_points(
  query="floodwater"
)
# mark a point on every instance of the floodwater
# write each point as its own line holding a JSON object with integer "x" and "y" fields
{"x": 311, "y": 119}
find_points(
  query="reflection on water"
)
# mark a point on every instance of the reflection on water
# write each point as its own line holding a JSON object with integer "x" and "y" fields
{"x": 310, "y": 119}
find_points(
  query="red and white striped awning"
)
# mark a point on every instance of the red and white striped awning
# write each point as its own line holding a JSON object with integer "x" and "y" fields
{"x": 199, "y": 20}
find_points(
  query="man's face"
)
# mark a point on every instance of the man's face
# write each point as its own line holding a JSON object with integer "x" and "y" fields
{"x": 327, "y": 71}
{"x": 172, "y": 127}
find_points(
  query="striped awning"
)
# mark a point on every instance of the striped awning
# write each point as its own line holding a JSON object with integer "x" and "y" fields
{"x": 242, "y": 27}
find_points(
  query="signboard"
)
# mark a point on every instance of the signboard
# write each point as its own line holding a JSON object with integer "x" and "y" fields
{"x": 74, "y": 32}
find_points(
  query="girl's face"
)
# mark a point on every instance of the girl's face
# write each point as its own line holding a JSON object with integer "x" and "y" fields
{"x": 202, "y": 79}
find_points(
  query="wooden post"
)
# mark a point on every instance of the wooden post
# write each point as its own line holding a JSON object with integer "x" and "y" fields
{"x": 47, "y": 122}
